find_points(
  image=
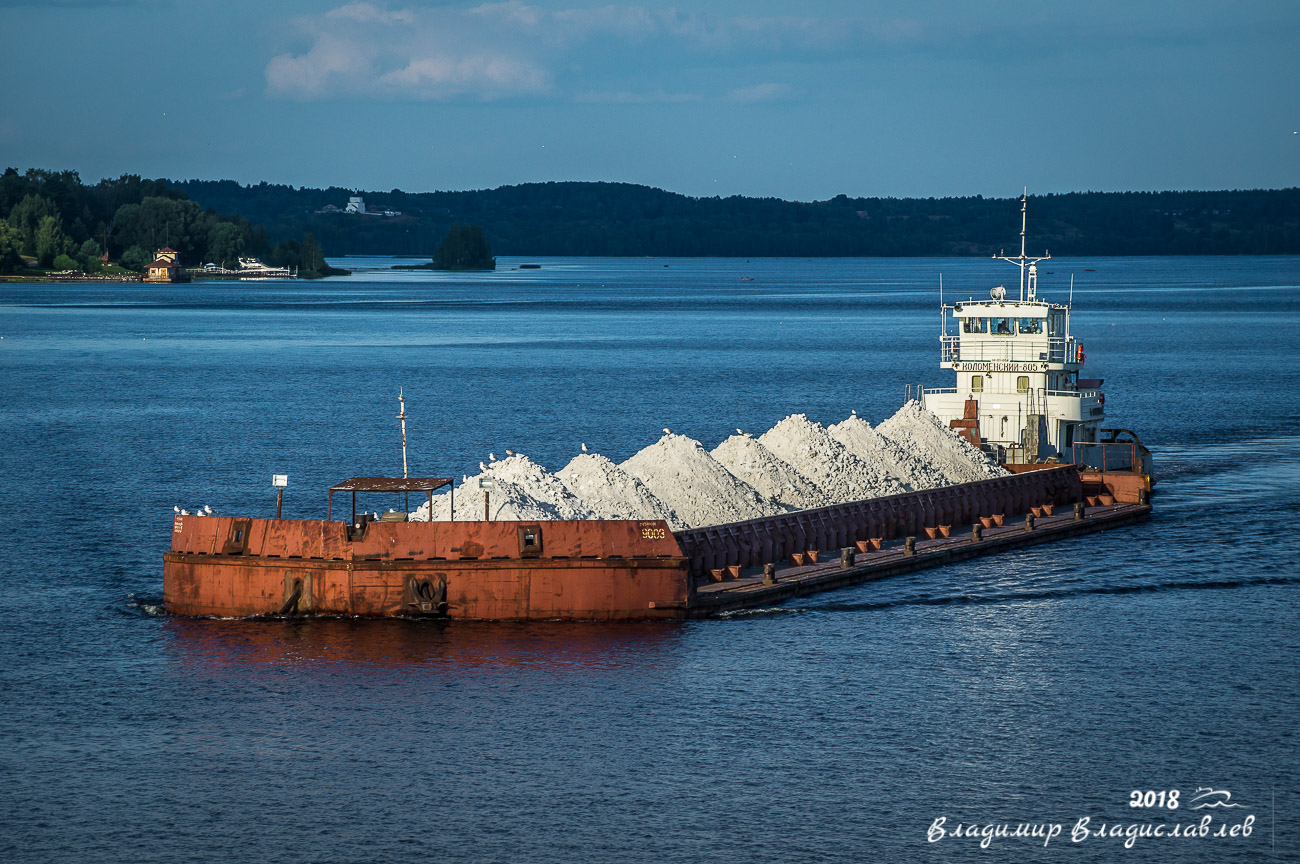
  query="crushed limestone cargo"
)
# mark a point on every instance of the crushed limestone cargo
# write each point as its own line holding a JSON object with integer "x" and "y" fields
{"x": 796, "y": 465}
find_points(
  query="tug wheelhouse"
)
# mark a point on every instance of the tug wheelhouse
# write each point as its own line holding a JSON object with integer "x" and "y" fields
{"x": 1019, "y": 393}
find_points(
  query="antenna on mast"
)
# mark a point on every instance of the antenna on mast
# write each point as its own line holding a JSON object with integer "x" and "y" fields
{"x": 1022, "y": 261}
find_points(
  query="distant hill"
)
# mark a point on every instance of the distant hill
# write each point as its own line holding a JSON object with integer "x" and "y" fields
{"x": 621, "y": 219}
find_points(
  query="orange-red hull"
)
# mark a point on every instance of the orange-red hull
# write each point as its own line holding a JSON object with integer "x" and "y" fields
{"x": 231, "y": 567}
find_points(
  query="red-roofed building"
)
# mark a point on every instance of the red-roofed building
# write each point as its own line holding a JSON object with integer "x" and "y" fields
{"x": 166, "y": 267}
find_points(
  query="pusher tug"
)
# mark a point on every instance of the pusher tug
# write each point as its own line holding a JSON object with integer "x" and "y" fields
{"x": 1019, "y": 394}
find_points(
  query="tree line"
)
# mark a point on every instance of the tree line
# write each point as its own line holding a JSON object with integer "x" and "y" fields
{"x": 61, "y": 223}
{"x": 58, "y": 222}
{"x": 620, "y": 219}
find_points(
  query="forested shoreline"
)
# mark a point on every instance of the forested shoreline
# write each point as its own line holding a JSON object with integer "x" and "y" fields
{"x": 619, "y": 219}
{"x": 50, "y": 221}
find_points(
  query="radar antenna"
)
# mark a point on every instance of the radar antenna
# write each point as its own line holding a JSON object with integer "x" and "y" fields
{"x": 1022, "y": 261}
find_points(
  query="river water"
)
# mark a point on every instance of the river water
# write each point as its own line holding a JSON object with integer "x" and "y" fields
{"x": 1040, "y": 687}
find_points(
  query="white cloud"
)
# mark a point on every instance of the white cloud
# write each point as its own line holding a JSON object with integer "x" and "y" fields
{"x": 770, "y": 91}
{"x": 370, "y": 13}
{"x": 627, "y": 97}
{"x": 508, "y": 49}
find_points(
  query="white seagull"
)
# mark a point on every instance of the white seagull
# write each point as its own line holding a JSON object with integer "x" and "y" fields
{"x": 207, "y": 509}
{"x": 492, "y": 457}
{"x": 584, "y": 447}
{"x": 667, "y": 431}
{"x": 509, "y": 452}
{"x": 176, "y": 507}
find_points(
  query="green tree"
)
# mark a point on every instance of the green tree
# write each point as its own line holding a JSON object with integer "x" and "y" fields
{"x": 50, "y": 241}
{"x": 225, "y": 244}
{"x": 26, "y": 216}
{"x": 136, "y": 258}
{"x": 464, "y": 248}
{"x": 157, "y": 222}
{"x": 11, "y": 244}
{"x": 311, "y": 260}
{"x": 88, "y": 255}
{"x": 287, "y": 254}
{"x": 63, "y": 261}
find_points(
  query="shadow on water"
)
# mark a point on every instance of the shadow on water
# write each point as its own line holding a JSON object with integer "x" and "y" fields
{"x": 404, "y": 643}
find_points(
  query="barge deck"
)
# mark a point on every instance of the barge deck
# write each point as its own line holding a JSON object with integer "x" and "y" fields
{"x": 753, "y": 588}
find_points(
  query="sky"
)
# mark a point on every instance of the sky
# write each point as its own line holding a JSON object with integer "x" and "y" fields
{"x": 802, "y": 101}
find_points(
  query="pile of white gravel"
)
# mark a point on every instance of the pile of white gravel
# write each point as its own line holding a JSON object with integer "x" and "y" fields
{"x": 682, "y": 474}
{"x": 747, "y": 458}
{"x": 921, "y": 433}
{"x": 795, "y": 465}
{"x": 521, "y": 490}
{"x": 811, "y": 450}
{"x": 609, "y": 492}
{"x": 871, "y": 447}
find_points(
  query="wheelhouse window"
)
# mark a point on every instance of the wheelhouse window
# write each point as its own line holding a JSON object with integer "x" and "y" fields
{"x": 1031, "y": 325}
{"x": 977, "y": 383}
{"x": 1056, "y": 324}
{"x": 1002, "y": 326}
{"x": 974, "y": 325}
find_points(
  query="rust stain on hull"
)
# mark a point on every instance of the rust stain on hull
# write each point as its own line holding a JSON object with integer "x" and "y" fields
{"x": 228, "y": 567}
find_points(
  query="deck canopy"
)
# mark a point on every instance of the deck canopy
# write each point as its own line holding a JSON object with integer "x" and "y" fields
{"x": 427, "y": 485}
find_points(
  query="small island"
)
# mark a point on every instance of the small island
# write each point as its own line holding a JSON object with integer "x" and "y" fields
{"x": 464, "y": 248}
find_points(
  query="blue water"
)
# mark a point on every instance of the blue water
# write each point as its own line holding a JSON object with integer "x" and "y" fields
{"x": 1039, "y": 686}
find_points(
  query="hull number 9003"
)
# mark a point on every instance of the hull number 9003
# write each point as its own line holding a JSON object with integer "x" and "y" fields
{"x": 651, "y": 533}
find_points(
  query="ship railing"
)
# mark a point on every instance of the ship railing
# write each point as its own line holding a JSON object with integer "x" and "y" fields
{"x": 990, "y": 391}
{"x": 1122, "y": 456}
{"x": 1075, "y": 394}
{"x": 1056, "y": 350}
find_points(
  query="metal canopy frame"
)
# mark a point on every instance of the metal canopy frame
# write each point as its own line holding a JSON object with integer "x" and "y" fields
{"x": 427, "y": 485}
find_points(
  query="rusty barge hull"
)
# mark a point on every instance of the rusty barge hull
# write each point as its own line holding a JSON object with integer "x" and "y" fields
{"x": 616, "y": 570}
{"x": 235, "y": 568}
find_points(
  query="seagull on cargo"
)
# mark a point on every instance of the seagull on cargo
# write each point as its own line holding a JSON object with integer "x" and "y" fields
{"x": 482, "y": 466}
{"x": 667, "y": 431}
{"x": 176, "y": 507}
{"x": 185, "y": 512}
{"x": 207, "y": 509}
{"x": 509, "y": 452}
{"x": 584, "y": 447}
{"x": 492, "y": 457}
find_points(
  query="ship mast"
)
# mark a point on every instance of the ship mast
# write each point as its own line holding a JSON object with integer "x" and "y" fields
{"x": 1022, "y": 261}
{"x": 402, "y": 416}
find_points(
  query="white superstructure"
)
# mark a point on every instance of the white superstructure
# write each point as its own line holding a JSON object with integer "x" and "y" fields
{"x": 1018, "y": 369}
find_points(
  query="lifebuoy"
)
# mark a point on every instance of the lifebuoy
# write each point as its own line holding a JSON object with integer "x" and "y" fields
{"x": 1079, "y": 352}
{"x": 1101, "y": 400}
